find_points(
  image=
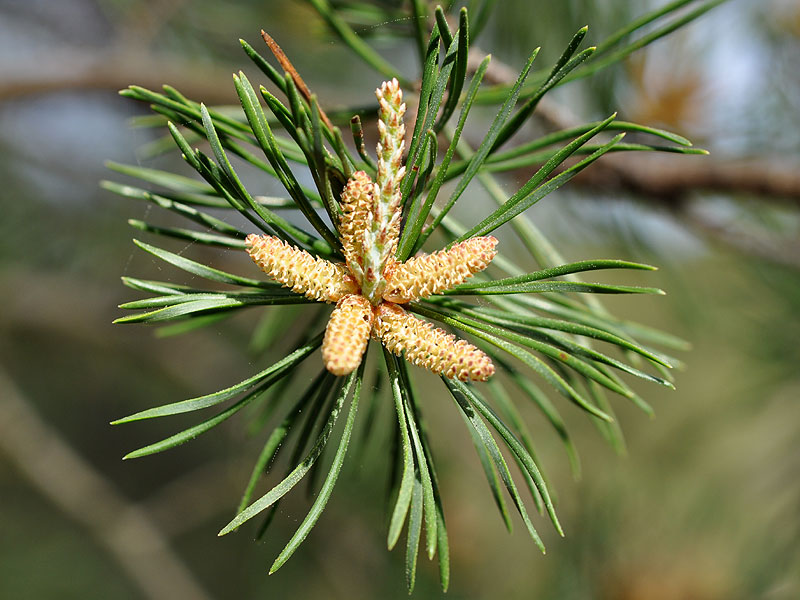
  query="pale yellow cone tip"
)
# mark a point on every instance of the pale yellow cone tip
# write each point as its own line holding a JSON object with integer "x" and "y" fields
{"x": 347, "y": 334}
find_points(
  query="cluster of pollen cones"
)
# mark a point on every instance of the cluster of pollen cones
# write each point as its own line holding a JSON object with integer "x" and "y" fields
{"x": 369, "y": 287}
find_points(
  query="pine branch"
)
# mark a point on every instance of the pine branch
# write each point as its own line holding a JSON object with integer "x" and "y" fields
{"x": 535, "y": 321}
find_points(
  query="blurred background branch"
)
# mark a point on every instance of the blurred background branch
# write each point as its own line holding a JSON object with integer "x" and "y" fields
{"x": 59, "y": 473}
{"x": 114, "y": 70}
{"x": 708, "y": 499}
{"x": 664, "y": 178}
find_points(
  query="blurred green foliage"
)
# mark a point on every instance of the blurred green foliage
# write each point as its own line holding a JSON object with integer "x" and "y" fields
{"x": 705, "y": 505}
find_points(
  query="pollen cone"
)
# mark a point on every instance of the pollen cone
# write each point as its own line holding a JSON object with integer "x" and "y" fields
{"x": 356, "y": 203}
{"x": 347, "y": 334}
{"x": 315, "y": 278}
{"x": 429, "y": 347}
{"x": 421, "y": 276}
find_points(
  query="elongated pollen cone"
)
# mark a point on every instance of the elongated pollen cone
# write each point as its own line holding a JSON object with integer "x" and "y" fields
{"x": 315, "y": 278}
{"x": 429, "y": 347}
{"x": 435, "y": 273}
{"x": 347, "y": 334}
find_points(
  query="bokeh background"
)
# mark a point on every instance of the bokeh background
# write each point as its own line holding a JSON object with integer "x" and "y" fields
{"x": 704, "y": 505}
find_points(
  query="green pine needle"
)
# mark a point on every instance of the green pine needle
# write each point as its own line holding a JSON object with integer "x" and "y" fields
{"x": 543, "y": 326}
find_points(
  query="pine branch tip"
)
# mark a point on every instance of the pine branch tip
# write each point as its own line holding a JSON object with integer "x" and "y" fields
{"x": 296, "y": 89}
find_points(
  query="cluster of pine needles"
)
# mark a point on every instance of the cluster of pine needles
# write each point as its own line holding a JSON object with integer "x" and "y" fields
{"x": 540, "y": 329}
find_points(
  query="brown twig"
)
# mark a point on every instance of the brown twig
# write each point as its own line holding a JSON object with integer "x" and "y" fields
{"x": 287, "y": 66}
{"x": 669, "y": 179}
{"x": 116, "y": 70}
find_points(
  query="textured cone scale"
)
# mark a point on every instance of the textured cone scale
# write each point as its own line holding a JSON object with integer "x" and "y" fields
{"x": 428, "y": 274}
{"x": 347, "y": 334}
{"x": 315, "y": 278}
{"x": 382, "y": 227}
{"x": 390, "y": 158}
{"x": 356, "y": 203}
{"x": 429, "y": 347}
